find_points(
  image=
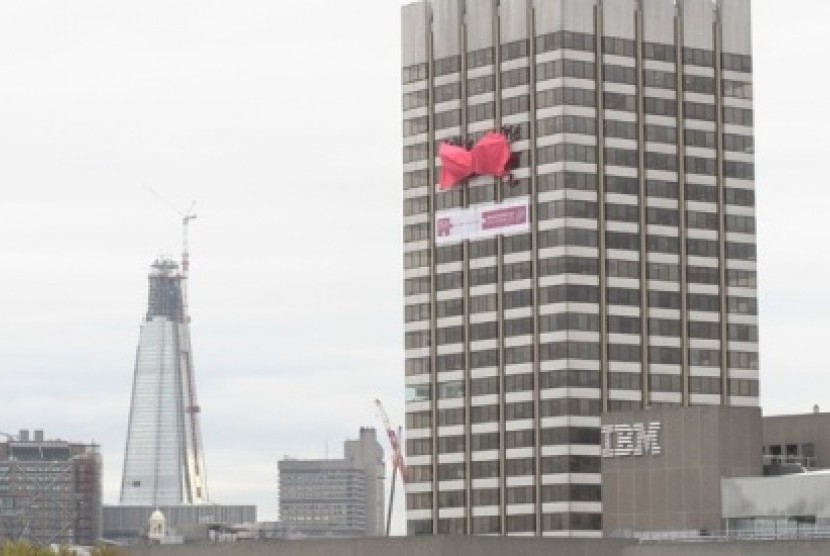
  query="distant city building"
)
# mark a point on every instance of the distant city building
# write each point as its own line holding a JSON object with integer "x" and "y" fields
{"x": 50, "y": 491}
{"x": 164, "y": 461}
{"x": 182, "y": 523}
{"x": 335, "y": 497}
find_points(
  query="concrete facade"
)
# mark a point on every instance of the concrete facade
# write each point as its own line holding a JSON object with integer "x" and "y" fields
{"x": 676, "y": 485}
{"x": 802, "y": 439}
{"x": 489, "y": 546}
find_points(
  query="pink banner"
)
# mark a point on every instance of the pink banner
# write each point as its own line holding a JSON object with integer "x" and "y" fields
{"x": 499, "y": 218}
{"x": 482, "y": 221}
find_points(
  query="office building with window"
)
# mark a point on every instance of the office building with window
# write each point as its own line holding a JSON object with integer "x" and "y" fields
{"x": 335, "y": 497}
{"x": 614, "y": 271}
{"x": 50, "y": 490}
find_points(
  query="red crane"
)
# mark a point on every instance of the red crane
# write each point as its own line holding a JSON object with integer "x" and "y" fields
{"x": 398, "y": 464}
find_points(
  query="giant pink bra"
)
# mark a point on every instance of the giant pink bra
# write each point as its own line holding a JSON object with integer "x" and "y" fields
{"x": 490, "y": 156}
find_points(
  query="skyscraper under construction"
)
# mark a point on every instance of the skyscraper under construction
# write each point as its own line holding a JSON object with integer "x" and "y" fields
{"x": 164, "y": 460}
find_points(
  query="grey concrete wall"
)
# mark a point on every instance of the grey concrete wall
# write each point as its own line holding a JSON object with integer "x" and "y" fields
{"x": 800, "y": 429}
{"x": 679, "y": 488}
{"x": 397, "y": 546}
{"x": 485, "y": 546}
{"x": 745, "y": 548}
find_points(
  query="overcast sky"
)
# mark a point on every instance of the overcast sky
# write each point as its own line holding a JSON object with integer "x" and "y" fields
{"x": 281, "y": 119}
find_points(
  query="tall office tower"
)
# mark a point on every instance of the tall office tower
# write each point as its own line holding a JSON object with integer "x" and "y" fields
{"x": 335, "y": 497}
{"x": 164, "y": 463}
{"x": 50, "y": 491}
{"x": 615, "y": 270}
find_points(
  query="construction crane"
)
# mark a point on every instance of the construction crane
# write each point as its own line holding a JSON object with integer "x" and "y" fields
{"x": 398, "y": 464}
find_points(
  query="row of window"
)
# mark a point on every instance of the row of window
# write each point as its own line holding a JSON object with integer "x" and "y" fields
{"x": 512, "y": 439}
{"x": 614, "y": 240}
{"x": 577, "y": 69}
{"x": 588, "y": 182}
{"x": 561, "y": 350}
{"x": 562, "y": 406}
{"x": 585, "y": 322}
{"x": 523, "y": 523}
{"x": 577, "y": 41}
{"x": 669, "y": 272}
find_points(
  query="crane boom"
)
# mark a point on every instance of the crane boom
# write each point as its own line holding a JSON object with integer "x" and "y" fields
{"x": 394, "y": 442}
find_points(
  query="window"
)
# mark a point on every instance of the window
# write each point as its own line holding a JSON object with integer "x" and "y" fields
{"x": 480, "y": 85}
{"x": 416, "y": 339}
{"x": 619, "y": 101}
{"x": 413, "y": 73}
{"x": 484, "y": 386}
{"x": 667, "y": 272}
{"x": 698, "y": 57}
{"x": 415, "y": 153}
{"x": 484, "y": 441}
{"x": 662, "y": 52}
{"x": 478, "y": 58}
{"x": 415, "y": 126}
{"x": 565, "y": 96}
{"x": 661, "y": 134}
{"x": 703, "y": 302}
{"x": 514, "y": 77}
{"x": 565, "y": 124}
{"x": 518, "y": 410}
{"x": 704, "y": 357}
{"x": 517, "y": 298}
{"x": 617, "y": 184}
{"x": 447, "y": 65}
{"x": 486, "y": 275}
{"x": 451, "y": 416}
{"x": 416, "y": 312}
{"x": 416, "y": 259}
{"x": 418, "y": 392}
{"x": 513, "y": 50}
{"x": 568, "y": 321}
{"x": 518, "y": 327}
{"x": 484, "y": 413}
{"x": 661, "y": 79}
{"x": 446, "y": 92}
{"x": 565, "y": 39}
{"x": 619, "y": 74}
{"x": 416, "y": 179}
{"x": 518, "y": 383}
{"x": 624, "y": 325}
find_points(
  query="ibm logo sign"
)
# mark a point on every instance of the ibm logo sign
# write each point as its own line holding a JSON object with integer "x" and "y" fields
{"x": 637, "y": 439}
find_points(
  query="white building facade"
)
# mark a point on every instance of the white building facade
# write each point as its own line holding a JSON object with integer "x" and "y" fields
{"x": 630, "y": 284}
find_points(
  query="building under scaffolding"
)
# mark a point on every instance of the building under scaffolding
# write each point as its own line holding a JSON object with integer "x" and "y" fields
{"x": 50, "y": 490}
